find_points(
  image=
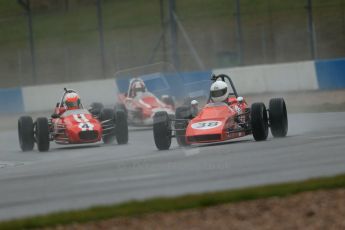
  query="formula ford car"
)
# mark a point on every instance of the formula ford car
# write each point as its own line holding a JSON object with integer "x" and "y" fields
{"x": 141, "y": 105}
{"x": 72, "y": 127}
{"x": 222, "y": 120}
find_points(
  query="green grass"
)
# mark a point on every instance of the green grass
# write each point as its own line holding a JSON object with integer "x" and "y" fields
{"x": 135, "y": 208}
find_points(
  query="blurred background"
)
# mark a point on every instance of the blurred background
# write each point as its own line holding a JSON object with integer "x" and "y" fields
{"x": 56, "y": 41}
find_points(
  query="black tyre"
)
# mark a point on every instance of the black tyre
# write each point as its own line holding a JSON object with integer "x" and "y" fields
{"x": 42, "y": 134}
{"x": 168, "y": 100}
{"x": 182, "y": 112}
{"x": 121, "y": 127}
{"x": 96, "y": 108}
{"x": 162, "y": 130}
{"x": 278, "y": 117}
{"x": 259, "y": 121}
{"x": 107, "y": 116}
{"x": 26, "y": 133}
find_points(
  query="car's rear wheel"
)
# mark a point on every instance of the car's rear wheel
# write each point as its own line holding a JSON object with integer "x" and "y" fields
{"x": 278, "y": 117}
{"x": 162, "y": 130}
{"x": 96, "y": 108}
{"x": 168, "y": 100}
{"x": 259, "y": 121}
{"x": 26, "y": 133}
{"x": 182, "y": 112}
{"x": 42, "y": 134}
{"x": 121, "y": 128}
{"x": 107, "y": 117}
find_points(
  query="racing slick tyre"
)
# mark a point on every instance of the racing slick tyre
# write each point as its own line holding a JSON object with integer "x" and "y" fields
{"x": 162, "y": 130}
{"x": 26, "y": 133}
{"x": 121, "y": 127}
{"x": 96, "y": 108}
{"x": 182, "y": 112}
{"x": 108, "y": 126}
{"x": 42, "y": 134}
{"x": 259, "y": 121}
{"x": 168, "y": 100}
{"x": 278, "y": 117}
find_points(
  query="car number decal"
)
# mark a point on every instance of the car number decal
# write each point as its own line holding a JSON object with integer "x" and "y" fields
{"x": 206, "y": 125}
{"x": 84, "y": 123}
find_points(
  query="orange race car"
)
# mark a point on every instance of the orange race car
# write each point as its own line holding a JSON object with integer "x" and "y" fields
{"x": 225, "y": 116}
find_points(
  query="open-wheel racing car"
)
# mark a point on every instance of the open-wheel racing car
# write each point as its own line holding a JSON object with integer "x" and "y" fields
{"x": 77, "y": 126}
{"x": 141, "y": 105}
{"x": 225, "y": 116}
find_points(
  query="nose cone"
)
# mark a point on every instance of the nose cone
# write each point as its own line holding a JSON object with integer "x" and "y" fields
{"x": 205, "y": 127}
{"x": 83, "y": 131}
{"x": 209, "y": 125}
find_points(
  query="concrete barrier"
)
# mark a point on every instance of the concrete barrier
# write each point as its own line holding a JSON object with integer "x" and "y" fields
{"x": 299, "y": 76}
{"x": 273, "y": 78}
{"x": 45, "y": 97}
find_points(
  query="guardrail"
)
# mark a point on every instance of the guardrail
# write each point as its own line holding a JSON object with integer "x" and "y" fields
{"x": 299, "y": 76}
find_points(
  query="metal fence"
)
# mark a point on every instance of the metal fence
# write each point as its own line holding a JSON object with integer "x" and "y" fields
{"x": 74, "y": 40}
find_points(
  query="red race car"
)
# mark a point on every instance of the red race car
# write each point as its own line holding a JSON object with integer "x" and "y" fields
{"x": 141, "y": 105}
{"x": 225, "y": 116}
{"x": 72, "y": 126}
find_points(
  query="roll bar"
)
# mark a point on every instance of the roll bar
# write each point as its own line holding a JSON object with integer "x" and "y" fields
{"x": 63, "y": 96}
{"x": 223, "y": 78}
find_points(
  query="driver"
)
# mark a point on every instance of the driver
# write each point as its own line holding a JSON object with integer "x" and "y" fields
{"x": 219, "y": 92}
{"x": 72, "y": 101}
{"x": 138, "y": 87}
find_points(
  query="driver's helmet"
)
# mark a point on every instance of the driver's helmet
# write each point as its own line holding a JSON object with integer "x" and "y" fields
{"x": 219, "y": 91}
{"x": 138, "y": 87}
{"x": 72, "y": 101}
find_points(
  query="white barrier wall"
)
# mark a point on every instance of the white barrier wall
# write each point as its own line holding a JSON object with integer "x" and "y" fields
{"x": 45, "y": 97}
{"x": 248, "y": 80}
{"x": 273, "y": 78}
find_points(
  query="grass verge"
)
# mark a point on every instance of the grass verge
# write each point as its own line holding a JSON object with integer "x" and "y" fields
{"x": 135, "y": 208}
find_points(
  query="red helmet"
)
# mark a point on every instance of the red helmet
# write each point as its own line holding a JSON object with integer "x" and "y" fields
{"x": 72, "y": 101}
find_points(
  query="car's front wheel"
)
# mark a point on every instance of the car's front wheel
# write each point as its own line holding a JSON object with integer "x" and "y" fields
{"x": 42, "y": 134}
{"x": 107, "y": 117}
{"x": 162, "y": 130}
{"x": 26, "y": 133}
{"x": 278, "y": 117}
{"x": 121, "y": 127}
{"x": 182, "y": 114}
{"x": 259, "y": 121}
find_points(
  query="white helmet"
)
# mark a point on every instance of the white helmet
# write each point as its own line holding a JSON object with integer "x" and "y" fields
{"x": 219, "y": 91}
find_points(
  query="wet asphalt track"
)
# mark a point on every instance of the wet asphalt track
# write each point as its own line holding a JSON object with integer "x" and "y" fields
{"x": 74, "y": 177}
